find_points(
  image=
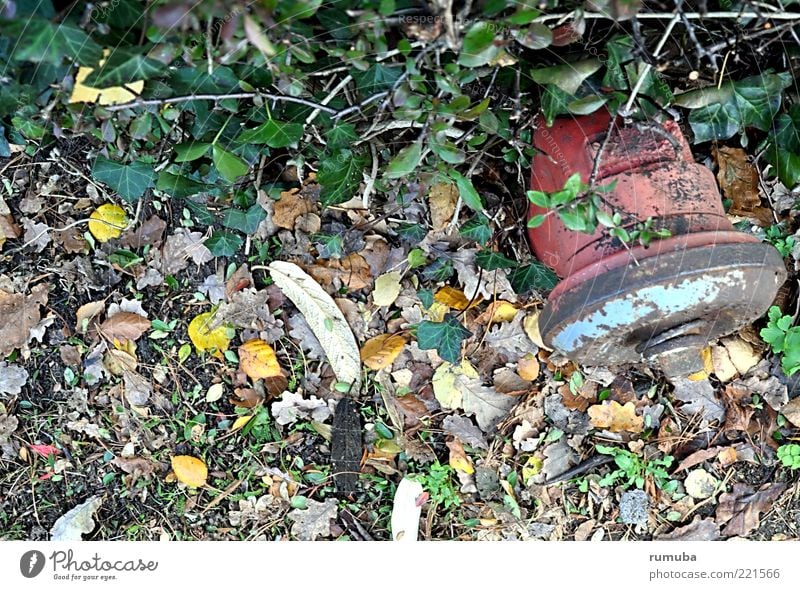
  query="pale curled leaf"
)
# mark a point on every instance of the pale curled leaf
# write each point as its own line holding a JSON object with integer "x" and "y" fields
{"x": 314, "y": 521}
{"x": 406, "y": 510}
{"x": 77, "y": 522}
{"x": 324, "y": 318}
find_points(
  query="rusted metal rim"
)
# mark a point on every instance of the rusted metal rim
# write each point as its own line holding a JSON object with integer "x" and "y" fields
{"x": 692, "y": 294}
{"x": 639, "y": 253}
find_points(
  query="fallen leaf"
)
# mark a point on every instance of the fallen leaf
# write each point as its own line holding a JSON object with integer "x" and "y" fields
{"x": 724, "y": 369}
{"x": 708, "y": 366}
{"x": 739, "y": 181}
{"x": 406, "y": 510}
{"x": 246, "y": 398}
{"x": 739, "y": 509}
{"x": 455, "y": 298}
{"x": 86, "y": 312}
{"x": 698, "y": 397}
{"x": 464, "y": 430}
{"x": 325, "y": 320}
{"x": 742, "y": 354}
{"x": 137, "y": 388}
{"x": 190, "y": 470}
{"x": 20, "y": 314}
{"x": 9, "y": 229}
{"x": 381, "y": 351}
{"x": 37, "y": 235}
{"x": 698, "y": 457}
{"x": 215, "y": 392}
{"x": 204, "y": 337}
{"x": 240, "y": 423}
{"x": 528, "y": 367}
{"x": 610, "y": 415}
{"x": 351, "y": 271}
{"x": 179, "y": 248}
{"x": 104, "y": 96}
{"x": 12, "y": 378}
{"x": 292, "y": 407}
{"x": 700, "y": 529}
{"x": 149, "y": 233}
{"x": 44, "y": 450}
{"x": 458, "y": 458}
{"x": 790, "y": 411}
{"x": 77, "y": 522}
{"x": 531, "y": 326}
{"x": 257, "y": 360}
{"x": 387, "y": 288}
{"x": 315, "y": 520}
{"x": 124, "y": 326}
{"x": 498, "y": 312}
{"x": 289, "y": 207}
{"x": 510, "y": 339}
{"x": 107, "y": 222}
{"x": 442, "y": 200}
{"x": 458, "y": 386}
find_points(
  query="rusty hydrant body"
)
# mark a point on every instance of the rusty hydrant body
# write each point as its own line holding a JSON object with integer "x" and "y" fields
{"x": 625, "y": 303}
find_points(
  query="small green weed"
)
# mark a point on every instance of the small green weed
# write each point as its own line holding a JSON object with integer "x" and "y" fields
{"x": 776, "y": 236}
{"x": 633, "y": 470}
{"x": 438, "y": 482}
{"x": 784, "y": 338}
{"x": 790, "y": 456}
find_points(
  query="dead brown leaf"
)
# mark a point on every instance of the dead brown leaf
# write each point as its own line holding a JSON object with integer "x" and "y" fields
{"x": 124, "y": 325}
{"x": 442, "y": 200}
{"x": 19, "y": 314}
{"x": 738, "y": 179}
{"x": 698, "y": 457}
{"x": 85, "y": 313}
{"x": 700, "y": 529}
{"x": 739, "y": 510}
{"x": 291, "y": 205}
{"x": 616, "y": 418}
{"x": 246, "y": 397}
{"x": 352, "y": 271}
{"x": 9, "y": 229}
{"x": 150, "y": 233}
{"x": 791, "y": 411}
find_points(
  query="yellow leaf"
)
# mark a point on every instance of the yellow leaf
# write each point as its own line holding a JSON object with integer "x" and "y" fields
{"x": 111, "y": 95}
{"x": 204, "y": 338}
{"x": 531, "y": 468}
{"x": 387, "y": 288}
{"x": 107, "y": 222}
{"x": 708, "y": 366}
{"x": 190, "y": 470}
{"x": 458, "y": 458}
{"x": 258, "y": 360}
{"x": 616, "y": 418}
{"x": 240, "y": 423}
{"x": 444, "y": 383}
{"x": 437, "y": 311}
{"x": 455, "y": 298}
{"x": 380, "y": 352}
{"x": 531, "y": 326}
{"x": 502, "y": 311}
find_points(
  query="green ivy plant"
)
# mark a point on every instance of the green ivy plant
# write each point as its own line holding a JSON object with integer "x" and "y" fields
{"x": 783, "y": 338}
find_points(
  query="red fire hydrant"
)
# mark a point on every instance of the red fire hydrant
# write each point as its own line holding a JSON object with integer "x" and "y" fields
{"x": 626, "y": 303}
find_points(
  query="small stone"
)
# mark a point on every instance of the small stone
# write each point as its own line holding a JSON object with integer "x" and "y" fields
{"x": 700, "y": 484}
{"x": 633, "y": 507}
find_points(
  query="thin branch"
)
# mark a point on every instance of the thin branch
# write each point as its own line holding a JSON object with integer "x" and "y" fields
{"x": 140, "y": 102}
{"x": 795, "y": 16}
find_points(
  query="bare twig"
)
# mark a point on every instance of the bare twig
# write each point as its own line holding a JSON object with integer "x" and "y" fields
{"x": 140, "y": 102}
{"x": 725, "y": 14}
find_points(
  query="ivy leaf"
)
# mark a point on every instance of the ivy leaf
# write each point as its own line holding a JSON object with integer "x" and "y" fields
{"x": 188, "y": 152}
{"x": 123, "y": 67}
{"x": 246, "y": 221}
{"x": 783, "y": 151}
{"x": 477, "y": 229}
{"x": 555, "y": 102}
{"x": 128, "y": 180}
{"x": 276, "y": 134}
{"x": 491, "y": 260}
{"x": 51, "y": 43}
{"x": 405, "y": 162}
{"x": 721, "y": 112}
{"x": 377, "y": 78}
{"x": 479, "y": 48}
{"x": 533, "y": 276}
{"x": 341, "y": 136}
{"x": 339, "y": 176}
{"x": 567, "y": 77}
{"x": 229, "y": 165}
{"x": 179, "y": 186}
{"x": 223, "y": 243}
{"x": 440, "y": 269}
{"x": 467, "y": 191}
{"x": 445, "y": 337}
{"x": 412, "y": 232}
